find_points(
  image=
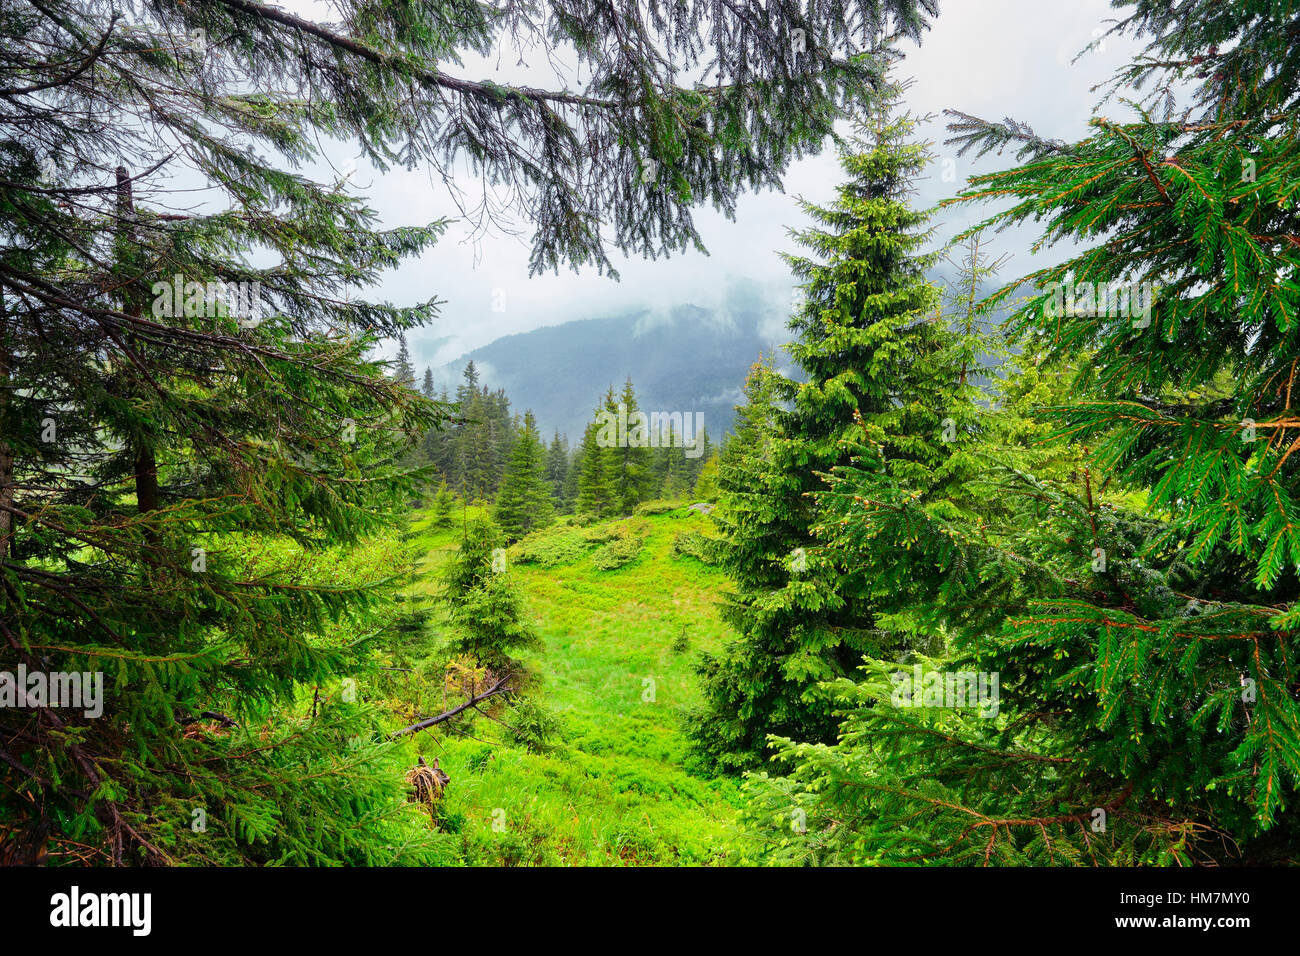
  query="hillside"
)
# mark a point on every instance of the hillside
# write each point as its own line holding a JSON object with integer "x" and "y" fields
{"x": 616, "y": 788}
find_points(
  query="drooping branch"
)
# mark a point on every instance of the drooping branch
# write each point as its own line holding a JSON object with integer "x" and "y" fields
{"x": 401, "y": 65}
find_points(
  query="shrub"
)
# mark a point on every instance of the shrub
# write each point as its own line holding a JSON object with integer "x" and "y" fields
{"x": 692, "y": 544}
{"x": 656, "y": 507}
{"x": 561, "y": 545}
{"x": 617, "y": 553}
{"x": 601, "y": 534}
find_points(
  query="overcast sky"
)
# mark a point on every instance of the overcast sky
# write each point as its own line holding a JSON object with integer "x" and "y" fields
{"x": 990, "y": 58}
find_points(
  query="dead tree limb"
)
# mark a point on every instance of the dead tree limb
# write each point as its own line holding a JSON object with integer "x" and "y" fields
{"x": 498, "y": 688}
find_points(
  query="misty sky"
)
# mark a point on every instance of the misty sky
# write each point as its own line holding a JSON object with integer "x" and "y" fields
{"x": 990, "y": 58}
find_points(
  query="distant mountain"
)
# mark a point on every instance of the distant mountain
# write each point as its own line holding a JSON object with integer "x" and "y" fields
{"x": 690, "y": 360}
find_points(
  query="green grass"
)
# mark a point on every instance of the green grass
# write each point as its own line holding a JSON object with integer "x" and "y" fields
{"x": 618, "y": 789}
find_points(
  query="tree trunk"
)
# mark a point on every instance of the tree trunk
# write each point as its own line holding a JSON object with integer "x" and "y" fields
{"x": 6, "y": 453}
{"x": 145, "y": 464}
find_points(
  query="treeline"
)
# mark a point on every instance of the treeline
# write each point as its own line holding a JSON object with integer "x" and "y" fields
{"x": 488, "y": 453}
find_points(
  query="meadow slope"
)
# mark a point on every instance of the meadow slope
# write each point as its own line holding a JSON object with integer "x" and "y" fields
{"x": 615, "y": 667}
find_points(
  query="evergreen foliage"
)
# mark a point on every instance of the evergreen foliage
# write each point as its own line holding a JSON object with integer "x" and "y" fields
{"x": 558, "y": 464}
{"x": 1133, "y": 582}
{"x": 597, "y": 486}
{"x": 874, "y": 356}
{"x": 485, "y": 607}
{"x": 168, "y": 458}
{"x": 524, "y": 502}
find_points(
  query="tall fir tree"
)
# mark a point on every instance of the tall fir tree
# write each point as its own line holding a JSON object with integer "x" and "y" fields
{"x": 571, "y": 480}
{"x": 524, "y": 502}
{"x": 557, "y": 470}
{"x": 706, "y": 485}
{"x": 597, "y": 491}
{"x": 439, "y": 442}
{"x": 864, "y": 329}
{"x": 1135, "y": 588}
{"x": 484, "y": 602}
{"x": 473, "y": 447}
{"x": 403, "y": 371}
{"x": 629, "y": 457}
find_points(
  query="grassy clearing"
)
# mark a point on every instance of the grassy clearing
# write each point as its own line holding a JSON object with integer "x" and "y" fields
{"x": 616, "y": 669}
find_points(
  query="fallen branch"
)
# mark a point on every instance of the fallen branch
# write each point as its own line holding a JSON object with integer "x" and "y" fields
{"x": 498, "y": 688}
{"x": 222, "y": 719}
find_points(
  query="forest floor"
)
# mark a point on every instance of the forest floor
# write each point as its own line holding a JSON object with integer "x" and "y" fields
{"x": 616, "y": 667}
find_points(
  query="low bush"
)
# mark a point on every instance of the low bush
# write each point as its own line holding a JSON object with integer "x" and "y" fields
{"x": 692, "y": 544}
{"x": 561, "y": 545}
{"x": 617, "y": 553}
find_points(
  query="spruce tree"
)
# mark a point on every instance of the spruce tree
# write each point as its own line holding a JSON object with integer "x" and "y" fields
{"x": 502, "y": 429}
{"x": 1178, "y": 699}
{"x": 440, "y": 441}
{"x": 597, "y": 492}
{"x": 864, "y": 330}
{"x": 484, "y": 603}
{"x": 524, "y": 502}
{"x": 571, "y": 480}
{"x": 628, "y": 458}
{"x": 706, "y": 485}
{"x": 672, "y": 472}
{"x": 403, "y": 371}
{"x": 702, "y": 453}
{"x": 443, "y": 504}
{"x": 744, "y": 515}
{"x": 557, "y": 470}
{"x": 473, "y": 446}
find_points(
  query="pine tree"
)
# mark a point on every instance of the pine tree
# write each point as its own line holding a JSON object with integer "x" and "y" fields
{"x": 744, "y": 515}
{"x": 484, "y": 603}
{"x": 403, "y": 371}
{"x": 672, "y": 470}
{"x": 524, "y": 502}
{"x": 444, "y": 502}
{"x": 557, "y": 470}
{"x": 502, "y": 430}
{"x": 1179, "y": 695}
{"x": 439, "y": 442}
{"x": 176, "y": 424}
{"x": 700, "y": 454}
{"x": 864, "y": 332}
{"x": 153, "y": 441}
{"x": 473, "y": 446}
{"x": 894, "y": 521}
{"x": 597, "y": 491}
{"x": 427, "y": 388}
{"x": 572, "y": 479}
{"x": 706, "y": 485}
{"x": 1135, "y": 586}
{"x": 628, "y": 458}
